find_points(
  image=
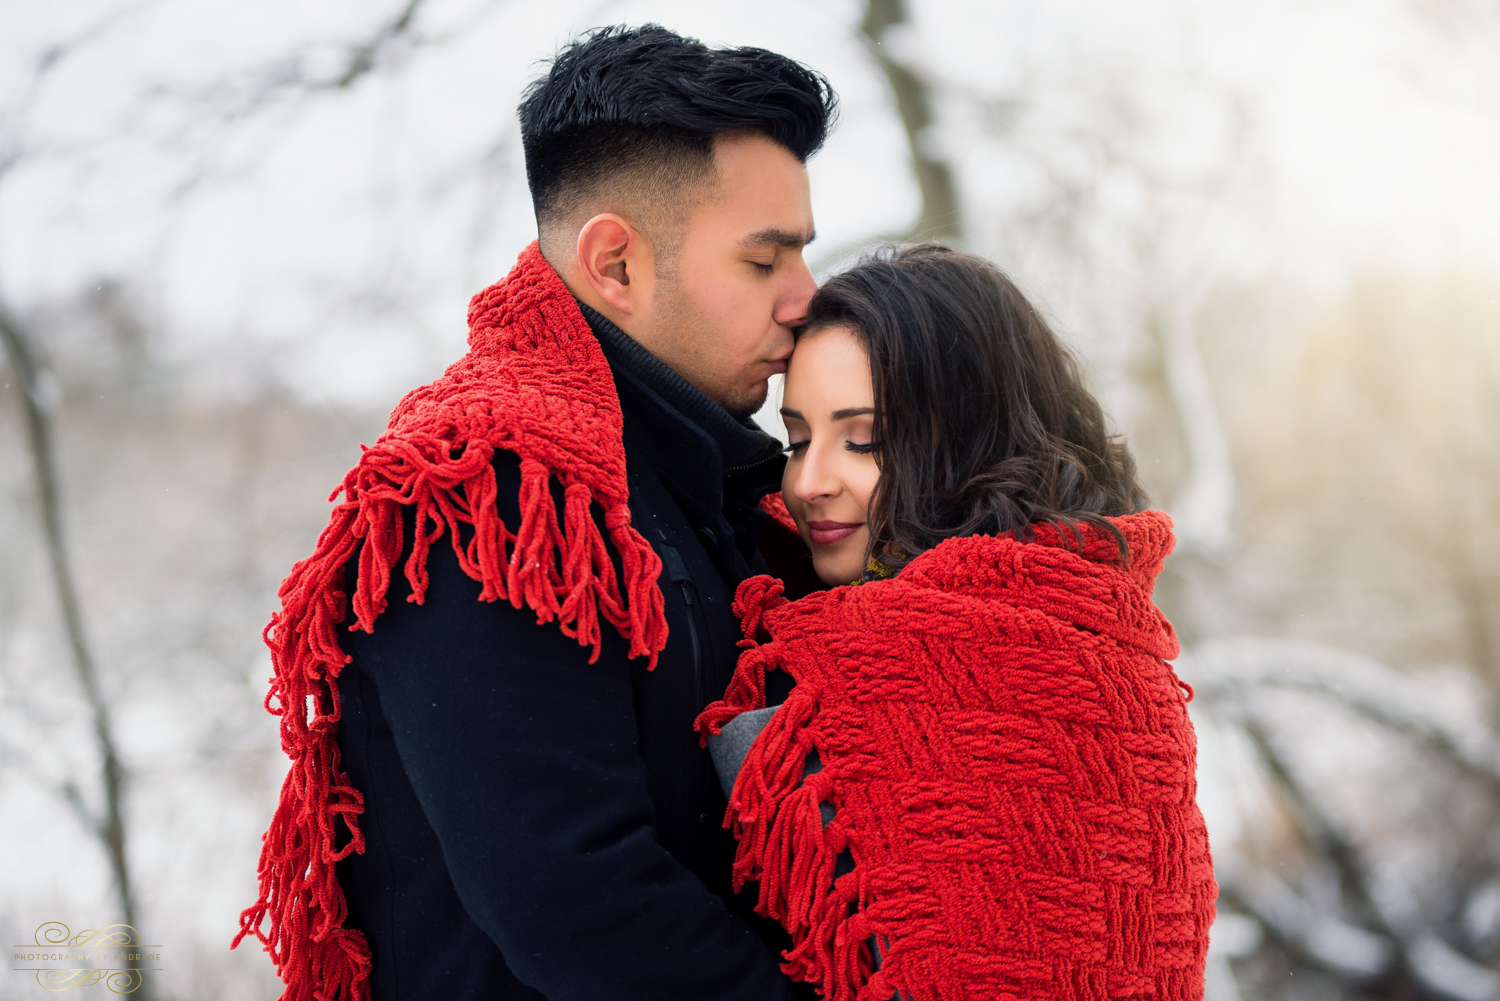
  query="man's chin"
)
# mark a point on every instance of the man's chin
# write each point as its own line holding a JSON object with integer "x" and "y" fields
{"x": 747, "y": 405}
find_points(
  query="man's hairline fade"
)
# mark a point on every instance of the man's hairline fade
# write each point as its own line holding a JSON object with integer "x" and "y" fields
{"x": 661, "y": 211}
{"x": 658, "y": 199}
{"x": 700, "y": 97}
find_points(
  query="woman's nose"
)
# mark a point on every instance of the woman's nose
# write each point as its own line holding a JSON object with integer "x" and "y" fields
{"x": 816, "y": 481}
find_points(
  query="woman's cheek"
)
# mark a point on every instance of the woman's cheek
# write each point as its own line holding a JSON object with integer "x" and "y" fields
{"x": 793, "y": 504}
{"x": 862, "y": 486}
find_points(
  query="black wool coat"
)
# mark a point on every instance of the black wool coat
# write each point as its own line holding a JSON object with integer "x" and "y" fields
{"x": 539, "y": 827}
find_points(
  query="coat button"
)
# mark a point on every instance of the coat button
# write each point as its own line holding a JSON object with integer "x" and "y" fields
{"x": 710, "y": 540}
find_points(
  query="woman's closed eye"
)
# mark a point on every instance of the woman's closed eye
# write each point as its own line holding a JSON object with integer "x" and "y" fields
{"x": 858, "y": 448}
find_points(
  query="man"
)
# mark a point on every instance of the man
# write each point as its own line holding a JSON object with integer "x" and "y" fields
{"x": 505, "y": 794}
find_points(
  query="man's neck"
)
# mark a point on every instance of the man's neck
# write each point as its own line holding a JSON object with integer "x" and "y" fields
{"x": 740, "y": 442}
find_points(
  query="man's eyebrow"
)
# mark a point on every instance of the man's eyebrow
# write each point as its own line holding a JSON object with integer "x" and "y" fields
{"x": 845, "y": 414}
{"x": 774, "y": 237}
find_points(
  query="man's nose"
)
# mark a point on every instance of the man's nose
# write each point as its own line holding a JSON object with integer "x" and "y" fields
{"x": 791, "y": 308}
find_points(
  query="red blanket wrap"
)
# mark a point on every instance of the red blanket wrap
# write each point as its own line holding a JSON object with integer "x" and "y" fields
{"x": 1012, "y": 767}
{"x": 535, "y": 383}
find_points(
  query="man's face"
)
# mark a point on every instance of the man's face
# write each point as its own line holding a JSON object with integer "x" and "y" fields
{"x": 722, "y": 310}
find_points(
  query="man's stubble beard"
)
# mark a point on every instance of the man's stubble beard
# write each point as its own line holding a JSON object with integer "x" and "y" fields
{"x": 694, "y": 337}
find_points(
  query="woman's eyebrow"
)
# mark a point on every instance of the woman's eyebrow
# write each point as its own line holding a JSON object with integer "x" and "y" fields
{"x": 794, "y": 414}
{"x": 839, "y": 415}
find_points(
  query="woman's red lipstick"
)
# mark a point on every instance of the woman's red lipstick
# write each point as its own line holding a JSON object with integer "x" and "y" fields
{"x": 826, "y": 533}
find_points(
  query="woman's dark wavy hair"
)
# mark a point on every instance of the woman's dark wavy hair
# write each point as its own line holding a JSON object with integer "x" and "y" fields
{"x": 982, "y": 422}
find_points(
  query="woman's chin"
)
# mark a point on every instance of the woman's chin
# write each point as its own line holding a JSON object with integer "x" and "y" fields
{"x": 838, "y": 568}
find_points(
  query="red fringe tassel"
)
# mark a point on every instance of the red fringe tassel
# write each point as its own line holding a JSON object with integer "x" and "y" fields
{"x": 562, "y": 572}
{"x": 774, "y": 812}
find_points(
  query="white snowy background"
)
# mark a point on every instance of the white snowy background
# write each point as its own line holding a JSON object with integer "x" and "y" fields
{"x": 235, "y": 234}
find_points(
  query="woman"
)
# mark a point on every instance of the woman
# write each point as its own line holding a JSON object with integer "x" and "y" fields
{"x": 981, "y": 785}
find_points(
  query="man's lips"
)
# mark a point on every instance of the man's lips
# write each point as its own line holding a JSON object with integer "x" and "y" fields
{"x": 826, "y": 533}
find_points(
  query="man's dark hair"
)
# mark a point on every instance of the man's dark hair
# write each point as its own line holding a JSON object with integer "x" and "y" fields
{"x": 983, "y": 424}
{"x": 642, "y": 106}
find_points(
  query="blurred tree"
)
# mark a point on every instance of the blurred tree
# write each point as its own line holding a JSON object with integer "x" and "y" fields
{"x": 39, "y": 395}
{"x": 126, "y": 370}
{"x": 37, "y": 401}
{"x": 886, "y": 27}
{"x": 1377, "y": 452}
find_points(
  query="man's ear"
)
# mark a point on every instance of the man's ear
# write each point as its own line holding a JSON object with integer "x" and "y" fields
{"x": 615, "y": 263}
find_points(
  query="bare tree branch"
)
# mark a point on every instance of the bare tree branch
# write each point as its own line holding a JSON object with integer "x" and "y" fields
{"x": 362, "y": 58}
{"x": 1205, "y": 502}
{"x": 110, "y": 828}
{"x": 1399, "y": 981}
{"x": 1419, "y": 732}
{"x": 1475, "y": 604}
{"x": 940, "y": 218}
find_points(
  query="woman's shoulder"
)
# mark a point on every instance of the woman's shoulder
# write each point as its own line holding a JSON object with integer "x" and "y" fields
{"x": 1077, "y": 578}
{"x": 1084, "y": 550}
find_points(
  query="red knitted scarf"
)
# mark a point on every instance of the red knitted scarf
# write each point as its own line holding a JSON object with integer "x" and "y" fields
{"x": 534, "y": 383}
{"x": 1012, "y": 768}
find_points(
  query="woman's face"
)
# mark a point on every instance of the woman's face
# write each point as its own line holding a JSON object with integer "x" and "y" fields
{"x": 829, "y": 410}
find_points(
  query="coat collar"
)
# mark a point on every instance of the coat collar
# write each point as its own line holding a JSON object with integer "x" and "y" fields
{"x": 740, "y": 444}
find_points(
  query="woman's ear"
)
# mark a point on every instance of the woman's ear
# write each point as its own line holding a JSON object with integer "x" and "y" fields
{"x": 615, "y": 262}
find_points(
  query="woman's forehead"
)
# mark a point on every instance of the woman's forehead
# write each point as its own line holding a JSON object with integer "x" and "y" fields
{"x": 828, "y": 371}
